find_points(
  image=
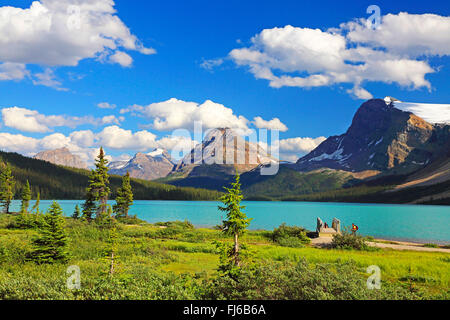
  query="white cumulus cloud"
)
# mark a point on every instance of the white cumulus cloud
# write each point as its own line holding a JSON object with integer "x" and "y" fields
{"x": 174, "y": 114}
{"x": 351, "y": 54}
{"x": 274, "y": 124}
{"x": 293, "y": 148}
{"x": 63, "y": 32}
{"x": 28, "y": 120}
{"x": 115, "y": 137}
{"x": 53, "y": 33}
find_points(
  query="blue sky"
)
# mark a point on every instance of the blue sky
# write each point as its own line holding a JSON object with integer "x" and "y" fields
{"x": 187, "y": 36}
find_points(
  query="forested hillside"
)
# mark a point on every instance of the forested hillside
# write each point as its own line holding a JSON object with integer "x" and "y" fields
{"x": 57, "y": 182}
{"x": 289, "y": 182}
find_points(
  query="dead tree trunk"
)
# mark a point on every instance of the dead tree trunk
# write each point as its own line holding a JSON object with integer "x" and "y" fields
{"x": 237, "y": 262}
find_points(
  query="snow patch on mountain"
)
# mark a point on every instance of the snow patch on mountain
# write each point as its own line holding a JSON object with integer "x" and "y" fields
{"x": 337, "y": 155}
{"x": 158, "y": 152}
{"x": 116, "y": 165}
{"x": 432, "y": 113}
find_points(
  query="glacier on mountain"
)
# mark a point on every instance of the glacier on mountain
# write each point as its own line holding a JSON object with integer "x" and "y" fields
{"x": 432, "y": 113}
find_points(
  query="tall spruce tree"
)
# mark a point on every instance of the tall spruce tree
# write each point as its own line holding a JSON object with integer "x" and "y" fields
{"x": 6, "y": 186}
{"x": 51, "y": 244}
{"x": 237, "y": 221}
{"x": 97, "y": 192}
{"x": 124, "y": 198}
{"x": 26, "y": 197}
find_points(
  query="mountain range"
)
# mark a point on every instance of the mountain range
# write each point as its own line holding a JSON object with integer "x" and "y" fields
{"x": 386, "y": 153}
{"x": 380, "y": 138}
{"x": 149, "y": 166}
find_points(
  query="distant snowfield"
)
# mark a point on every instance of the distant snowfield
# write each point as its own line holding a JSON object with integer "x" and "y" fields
{"x": 432, "y": 113}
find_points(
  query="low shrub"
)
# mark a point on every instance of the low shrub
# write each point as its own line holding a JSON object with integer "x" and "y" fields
{"x": 176, "y": 224}
{"x": 349, "y": 241}
{"x": 26, "y": 221}
{"x": 302, "y": 281}
{"x": 130, "y": 220}
{"x": 290, "y": 236}
{"x": 292, "y": 242}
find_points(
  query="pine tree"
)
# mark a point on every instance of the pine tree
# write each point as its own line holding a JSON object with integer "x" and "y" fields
{"x": 124, "y": 197}
{"x": 97, "y": 192}
{"x": 35, "y": 207}
{"x": 89, "y": 206}
{"x": 76, "y": 214}
{"x": 237, "y": 221}
{"x": 26, "y": 197}
{"x": 6, "y": 187}
{"x": 51, "y": 244}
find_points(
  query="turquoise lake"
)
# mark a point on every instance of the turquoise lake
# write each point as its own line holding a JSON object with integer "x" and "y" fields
{"x": 401, "y": 222}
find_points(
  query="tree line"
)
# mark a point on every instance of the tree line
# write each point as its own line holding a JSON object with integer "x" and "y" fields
{"x": 51, "y": 243}
{"x": 96, "y": 194}
{"x": 57, "y": 182}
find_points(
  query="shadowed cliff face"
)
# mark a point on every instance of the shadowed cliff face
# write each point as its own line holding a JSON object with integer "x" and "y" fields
{"x": 61, "y": 157}
{"x": 380, "y": 137}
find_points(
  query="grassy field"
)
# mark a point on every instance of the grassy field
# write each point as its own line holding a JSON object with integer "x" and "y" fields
{"x": 176, "y": 261}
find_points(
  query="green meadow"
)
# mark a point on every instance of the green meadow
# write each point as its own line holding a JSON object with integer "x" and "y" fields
{"x": 176, "y": 261}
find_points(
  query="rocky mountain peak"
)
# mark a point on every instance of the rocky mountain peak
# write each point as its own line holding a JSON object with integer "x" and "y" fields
{"x": 224, "y": 146}
{"x": 380, "y": 137}
{"x": 148, "y": 166}
{"x": 63, "y": 157}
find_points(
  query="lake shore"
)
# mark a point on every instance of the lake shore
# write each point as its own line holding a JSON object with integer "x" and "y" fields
{"x": 322, "y": 242}
{"x": 399, "y": 223}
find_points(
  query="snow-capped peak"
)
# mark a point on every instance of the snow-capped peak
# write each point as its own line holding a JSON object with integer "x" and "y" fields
{"x": 390, "y": 100}
{"x": 157, "y": 152}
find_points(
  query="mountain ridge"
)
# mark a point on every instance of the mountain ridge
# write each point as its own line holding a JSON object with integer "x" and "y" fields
{"x": 381, "y": 137}
{"x": 150, "y": 166}
{"x": 63, "y": 157}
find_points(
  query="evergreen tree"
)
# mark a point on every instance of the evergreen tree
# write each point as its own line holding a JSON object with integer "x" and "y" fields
{"x": 97, "y": 192}
{"x": 124, "y": 197}
{"x": 76, "y": 214}
{"x": 26, "y": 197}
{"x": 6, "y": 187}
{"x": 237, "y": 221}
{"x": 51, "y": 244}
{"x": 35, "y": 207}
{"x": 89, "y": 206}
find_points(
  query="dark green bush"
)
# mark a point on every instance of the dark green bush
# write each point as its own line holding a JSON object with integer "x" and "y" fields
{"x": 349, "y": 241}
{"x": 176, "y": 224}
{"x": 130, "y": 220}
{"x": 290, "y": 236}
{"x": 302, "y": 281}
{"x": 26, "y": 221}
{"x": 291, "y": 242}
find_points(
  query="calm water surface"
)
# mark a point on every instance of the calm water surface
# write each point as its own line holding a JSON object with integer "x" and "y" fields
{"x": 403, "y": 222}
